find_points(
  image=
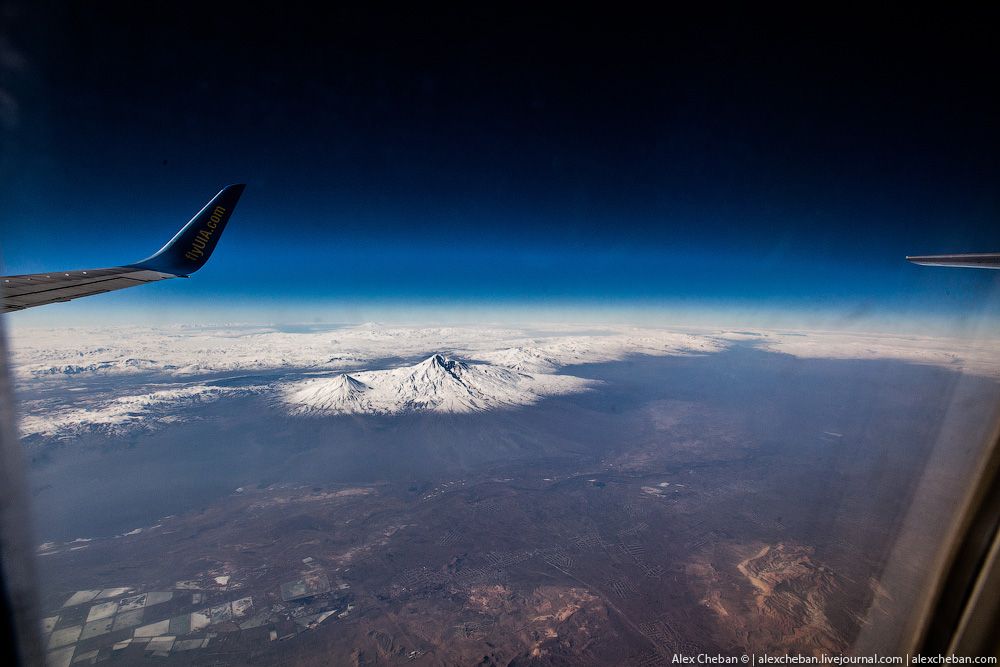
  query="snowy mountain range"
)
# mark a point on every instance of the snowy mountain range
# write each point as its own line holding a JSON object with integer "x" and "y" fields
{"x": 438, "y": 384}
{"x": 117, "y": 380}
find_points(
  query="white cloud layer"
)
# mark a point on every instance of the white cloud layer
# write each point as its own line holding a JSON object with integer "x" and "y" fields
{"x": 192, "y": 351}
{"x": 976, "y": 357}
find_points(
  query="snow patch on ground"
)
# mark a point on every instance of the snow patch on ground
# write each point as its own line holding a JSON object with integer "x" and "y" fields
{"x": 123, "y": 414}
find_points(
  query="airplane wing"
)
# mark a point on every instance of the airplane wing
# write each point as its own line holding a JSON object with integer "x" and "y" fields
{"x": 184, "y": 254}
{"x": 981, "y": 260}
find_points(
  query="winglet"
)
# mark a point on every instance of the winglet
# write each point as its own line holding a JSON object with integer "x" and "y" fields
{"x": 978, "y": 260}
{"x": 191, "y": 247}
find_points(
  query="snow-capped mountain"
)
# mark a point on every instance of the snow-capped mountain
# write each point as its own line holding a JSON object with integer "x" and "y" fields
{"x": 67, "y": 374}
{"x": 343, "y": 393}
{"x": 438, "y": 384}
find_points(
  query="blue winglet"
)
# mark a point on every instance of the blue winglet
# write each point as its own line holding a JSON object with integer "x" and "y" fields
{"x": 191, "y": 247}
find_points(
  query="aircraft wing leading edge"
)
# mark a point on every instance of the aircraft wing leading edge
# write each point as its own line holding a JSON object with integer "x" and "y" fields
{"x": 979, "y": 260}
{"x": 182, "y": 255}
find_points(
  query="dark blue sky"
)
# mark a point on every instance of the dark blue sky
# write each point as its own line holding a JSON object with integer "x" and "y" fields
{"x": 495, "y": 161}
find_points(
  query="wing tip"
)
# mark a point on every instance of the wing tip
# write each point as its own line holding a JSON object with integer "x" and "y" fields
{"x": 192, "y": 246}
{"x": 981, "y": 260}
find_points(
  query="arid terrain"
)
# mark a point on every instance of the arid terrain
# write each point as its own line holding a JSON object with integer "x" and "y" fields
{"x": 718, "y": 505}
